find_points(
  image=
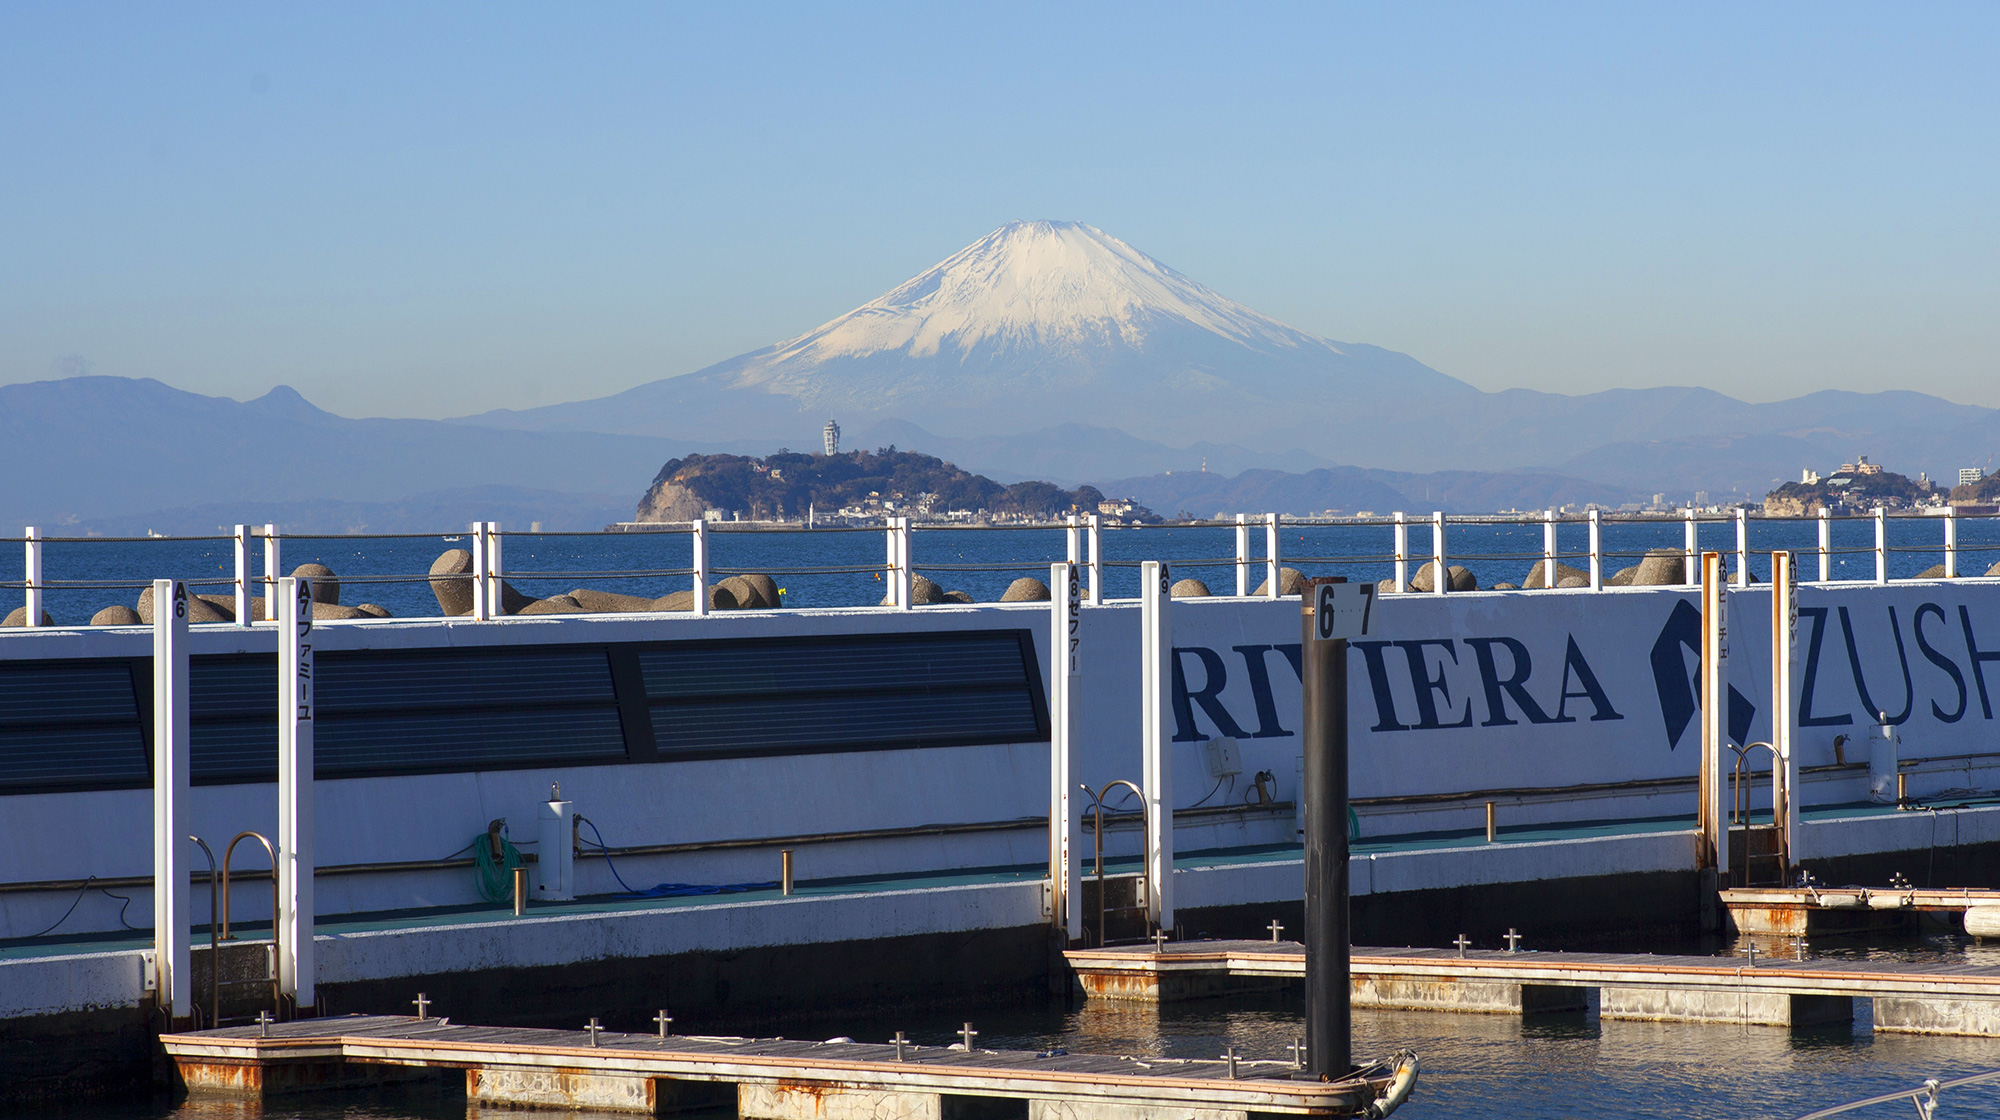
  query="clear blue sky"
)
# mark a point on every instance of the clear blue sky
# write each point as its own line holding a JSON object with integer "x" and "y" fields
{"x": 428, "y": 210}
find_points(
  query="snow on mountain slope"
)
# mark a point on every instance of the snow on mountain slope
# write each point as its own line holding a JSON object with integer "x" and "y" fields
{"x": 1034, "y": 323}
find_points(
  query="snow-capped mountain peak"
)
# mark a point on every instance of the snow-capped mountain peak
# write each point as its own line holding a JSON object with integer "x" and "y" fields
{"x": 1035, "y": 284}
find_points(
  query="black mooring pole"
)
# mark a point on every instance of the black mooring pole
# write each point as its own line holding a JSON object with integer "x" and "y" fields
{"x": 1324, "y": 681}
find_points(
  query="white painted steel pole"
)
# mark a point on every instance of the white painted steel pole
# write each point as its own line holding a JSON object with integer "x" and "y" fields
{"x": 273, "y": 568}
{"x": 481, "y": 602}
{"x": 1440, "y": 577}
{"x": 1784, "y": 638}
{"x": 1242, "y": 554}
{"x": 241, "y": 537}
{"x": 1742, "y": 546}
{"x": 905, "y": 566}
{"x": 1096, "y": 560}
{"x": 32, "y": 594}
{"x": 1825, "y": 544}
{"x": 1073, "y": 542}
{"x": 889, "y": 565}
{"x": 1271, "y": 553}
{"x": 1155, "y": 640}
{"x": 698, "y": 540}
{"x": 1596, "y": 551}
{"x": 496, "y": 603}
{"x": 1548, "y": 548}
{"x": 1881, "y": 545}
{"x": 1691, "y": 563}
{"x": 1066, "y": 618}
{"x": 295, "y": 794}
{"x": 171, "y": 910}
{"x": 1950, "y": 542}
{"x": 1402, "y": 552}
{"x": 1714, "y": 711}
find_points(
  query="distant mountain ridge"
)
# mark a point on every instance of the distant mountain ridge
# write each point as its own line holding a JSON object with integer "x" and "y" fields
{"x": 1041, "y": 328}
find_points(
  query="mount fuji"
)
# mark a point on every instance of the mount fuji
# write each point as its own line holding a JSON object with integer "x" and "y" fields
{"x": 1053, "y": 349}
{"x": 1035, "y": 324}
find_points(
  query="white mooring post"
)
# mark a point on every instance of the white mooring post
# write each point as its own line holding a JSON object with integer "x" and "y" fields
{"x": 1065, "y": 630}
{"x": 1156, "y": 771}
{"x": 1784, "y": 690}
{"x": 273, "y": 568}
{"x": 1950, "y": 542}
{"x": 1596, "y": 551}
{"x": 1440, "y": 579}
{"x": 1825, "y": 544}
{"x": 241, "y": 546}
{"x": 1271, "y": 554}
{"x": 295, "y": 794}
{"x": 32, "y": 595}
{"x": 698, "y": 542}
{"x": 1096, "y": 560}
{"x": 1402, "y": 550}
{"x": 481, "y": 601}
{"x": 1548, "y": 548}
{"x": 1691, "y": 563}
{"x": 1242, "y": 554}
{"x": 1881, "y": 545}
{"x": 1714, "y": 711}
{"x": 1742, "y": 546}
{"x": 171, "y": 911}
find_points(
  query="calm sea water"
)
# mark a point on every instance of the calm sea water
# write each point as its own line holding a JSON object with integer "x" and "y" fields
{"x": 842, "y": 568}
{"x": 1475, "y": 1067}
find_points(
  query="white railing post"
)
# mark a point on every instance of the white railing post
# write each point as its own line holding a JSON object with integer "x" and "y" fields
{"x": 698, "y": 539}
{"x": 1950, "y": 542}
{"x": 1156, "y": 769}
{"x": 1096, "y": 560}
{"x": 1881, "y": 545}
{"x": 1691, "y": 538}
{"x": 1065, "y": 631}
{"x": 32, "y": 594}
{"x": 1784, "y": 639}
{"x": 1402, "y": 552}
{"x": 1072, "y": 543}
{"x": 171, "y": 948}
{"x": 1742, "y": 546}
{"x": 905, "y": 566}
{"x": 481, "y": 602}
{"x": 889, "y": 564}
{"x": 1714, "y": 711}
{"x": 1242, "y": 554}
{"x": 496, "y": 603}
{"x": 273, "y": 566}
{"x": 1548, "y": 548}
{"x": 294, "y": 919}
{"x": 1825, "y": 544}
{"x": 1271, "y": 553}
{"x": 241, "y": 539}
{"x": 1440, "y": 577}
{"x": 1596, "y": 551}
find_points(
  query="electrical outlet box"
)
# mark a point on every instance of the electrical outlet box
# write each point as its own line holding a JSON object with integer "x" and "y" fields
{"x": 1224, "y": 758}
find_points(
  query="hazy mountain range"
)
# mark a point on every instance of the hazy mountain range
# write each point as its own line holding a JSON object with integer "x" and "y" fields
{"x": 1044, "y": 350}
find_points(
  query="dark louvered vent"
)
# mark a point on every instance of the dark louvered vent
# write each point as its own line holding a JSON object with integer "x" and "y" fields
{"x": 848, "y": 692}
{"x": 70, "y": 725}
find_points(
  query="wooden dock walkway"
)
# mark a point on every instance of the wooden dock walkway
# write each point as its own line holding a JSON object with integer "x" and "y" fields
{"x": 766, "y": 1079}
{"x": 1923, "y": 998}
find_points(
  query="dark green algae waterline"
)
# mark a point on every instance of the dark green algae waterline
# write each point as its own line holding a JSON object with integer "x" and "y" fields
{"x": 1475, "y": 1067}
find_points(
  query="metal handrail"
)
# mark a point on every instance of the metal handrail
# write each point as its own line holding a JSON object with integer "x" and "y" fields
{"x": 1739, "y": 804}
{"x": 214, "y": 953}
{"x": 1097, "y": 840}
{"x": 1924, "y": 1096}
{"x": 277, "y": 994}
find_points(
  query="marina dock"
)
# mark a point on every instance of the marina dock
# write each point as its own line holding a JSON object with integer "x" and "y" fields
{"x": 1913, "y": 998}
{"x": 765, "y": 1079}
{"x": 1809, "y": 910}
